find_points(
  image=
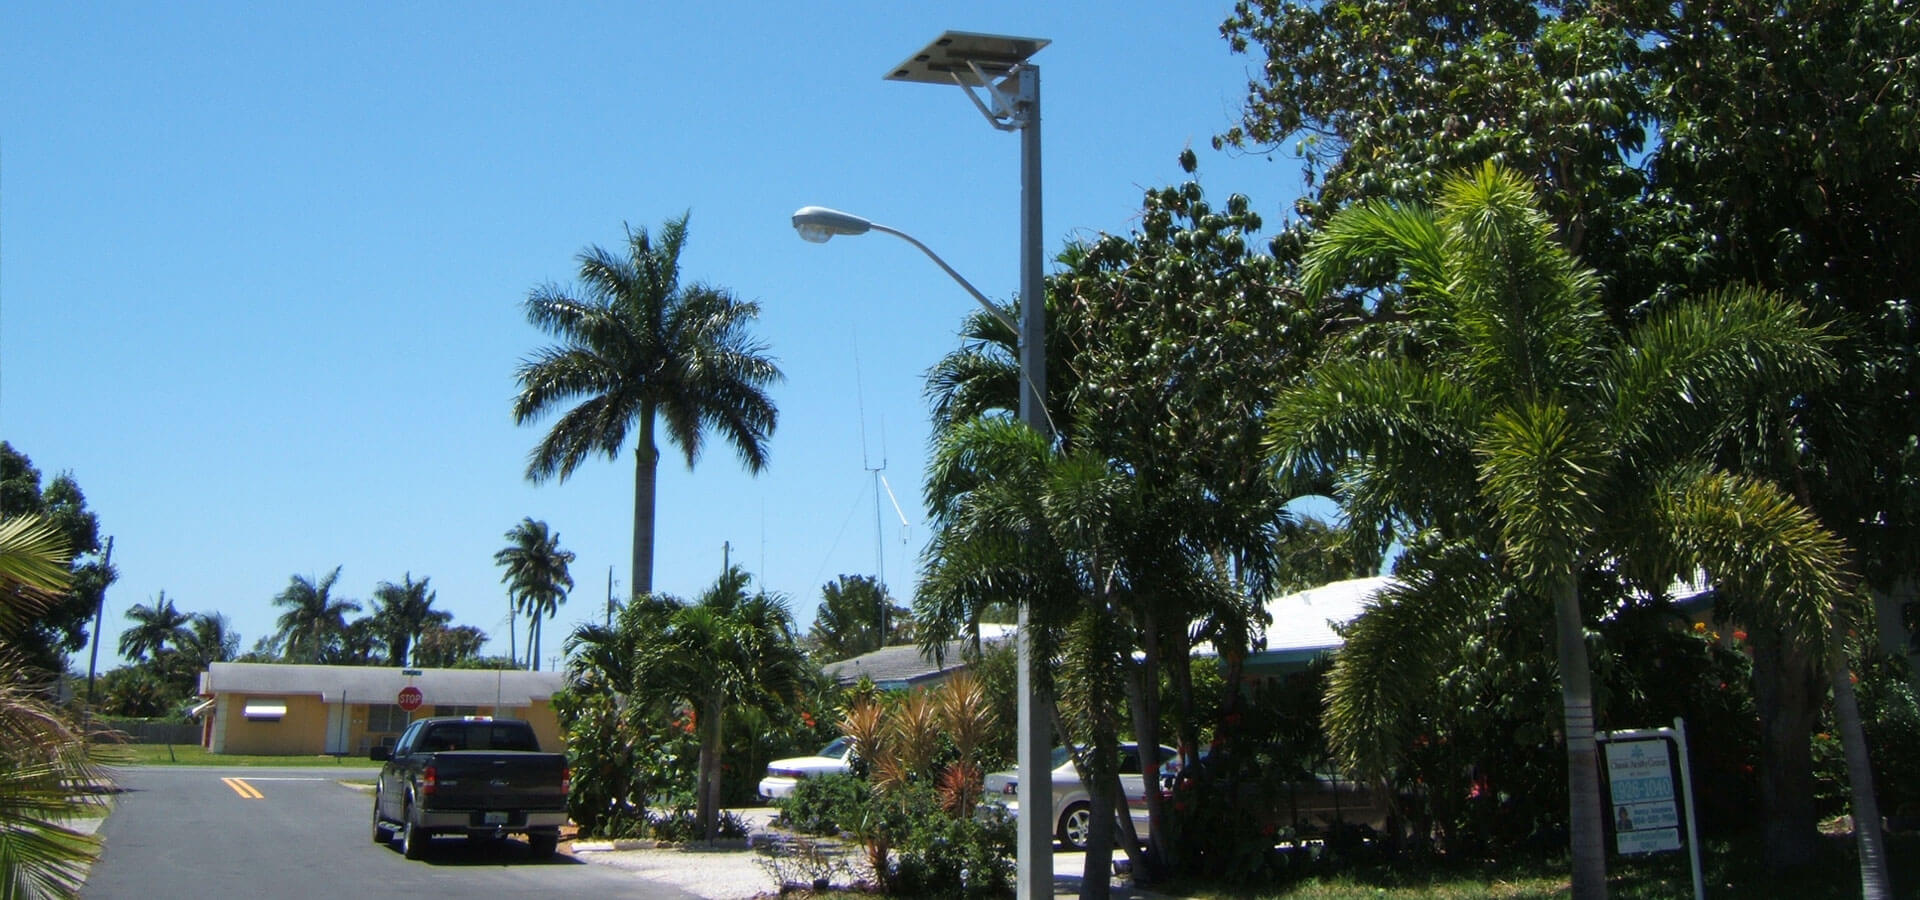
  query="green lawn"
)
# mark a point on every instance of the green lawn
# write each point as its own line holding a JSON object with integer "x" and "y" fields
{"x": 193, "y": 755}
{"x": 1731, "y": 870}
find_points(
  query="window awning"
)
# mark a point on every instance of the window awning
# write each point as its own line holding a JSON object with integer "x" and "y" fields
{"x": 265, "y": 709}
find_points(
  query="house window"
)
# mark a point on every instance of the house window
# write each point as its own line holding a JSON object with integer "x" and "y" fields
{"x": 267, "y": 709}
{"x": 456, "y": 710}
{"x": 386, "y": 717}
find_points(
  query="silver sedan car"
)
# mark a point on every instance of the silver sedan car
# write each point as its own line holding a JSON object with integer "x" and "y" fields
{"x": 1071, "y": 806}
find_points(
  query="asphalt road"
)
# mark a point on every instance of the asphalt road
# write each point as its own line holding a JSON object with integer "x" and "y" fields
{"x": 298, "y": 833}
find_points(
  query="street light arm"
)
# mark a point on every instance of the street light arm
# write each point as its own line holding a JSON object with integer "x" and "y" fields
{"x": 978, "y": 297}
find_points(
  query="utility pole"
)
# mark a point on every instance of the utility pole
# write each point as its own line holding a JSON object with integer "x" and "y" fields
{"x": 99, "y": 617}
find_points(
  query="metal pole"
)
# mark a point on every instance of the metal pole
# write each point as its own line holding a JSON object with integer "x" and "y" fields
{"x": 1034, "y": 850}
{"x": 1686, "y": 790}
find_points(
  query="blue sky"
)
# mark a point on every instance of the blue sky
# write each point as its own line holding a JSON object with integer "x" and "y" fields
{"x": 262, "y": 265}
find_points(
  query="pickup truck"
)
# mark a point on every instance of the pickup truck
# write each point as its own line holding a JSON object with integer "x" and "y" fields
{"x": 473, "y": 775}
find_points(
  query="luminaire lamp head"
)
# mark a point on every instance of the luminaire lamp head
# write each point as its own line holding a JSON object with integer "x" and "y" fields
{"x": 818, "y": 224}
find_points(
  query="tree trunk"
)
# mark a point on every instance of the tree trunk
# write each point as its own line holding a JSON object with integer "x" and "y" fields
{"x": 1583, "y": 770}
{"x": 1865, "y": 803}
{"x": 646, "y": 465}
{"x": 1785, "y": 686}
{"x": 533, "y": 643}
{"x": 707, "y": 812}
{"x": 1143, "y": 700}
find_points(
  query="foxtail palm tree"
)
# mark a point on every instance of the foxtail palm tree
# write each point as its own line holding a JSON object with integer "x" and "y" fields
{"x": 730, "y": 649}
{"x": 157, "y": 629}
{"x": 401, "y": 612}
{"x": 636, "y": 345}
{"x": 537, "y": 577}
{"x": 315, "y": 620}
{"x": 1514, "y": 417}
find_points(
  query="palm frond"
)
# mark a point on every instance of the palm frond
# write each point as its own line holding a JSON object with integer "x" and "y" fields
{"x": 1770, "y": 558}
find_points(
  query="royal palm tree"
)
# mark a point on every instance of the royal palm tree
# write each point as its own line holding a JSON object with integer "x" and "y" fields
{"x": 730, "y": 649}
{"x": 315, "y": 620}
{"x": 1511, "y": 416}
{"x": 401, "y": 612}
{"x": 45, "y": 771}
{"x": 537, "y": 577}
{"x": 636, "y": 345}
{"x": 157, "y": 629}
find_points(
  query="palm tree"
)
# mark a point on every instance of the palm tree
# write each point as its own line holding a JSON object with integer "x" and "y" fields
{"x": 210, "y": 639}
{"x": 536, "y": 576}
{"x": 636, "y": 344}
{"x": 401, "y": 612}
{"x": 157, "y": 629}
{"x": 46, "y": 775}
{"x": 1511, "y": 417}
{"x": 728, "y": 650}
{"x": 315, "y": 620}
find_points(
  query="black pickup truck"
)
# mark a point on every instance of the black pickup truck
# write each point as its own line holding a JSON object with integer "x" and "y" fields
{"x": 475, "y": 776}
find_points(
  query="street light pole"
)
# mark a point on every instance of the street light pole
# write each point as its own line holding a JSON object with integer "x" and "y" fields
{"x": 998, "y": 64}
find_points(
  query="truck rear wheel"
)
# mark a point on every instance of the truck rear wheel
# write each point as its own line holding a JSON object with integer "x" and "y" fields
{"x": 542, "y": 843}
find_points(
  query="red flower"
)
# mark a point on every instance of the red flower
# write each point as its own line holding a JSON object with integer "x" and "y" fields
{"x": 1740, "y": 635}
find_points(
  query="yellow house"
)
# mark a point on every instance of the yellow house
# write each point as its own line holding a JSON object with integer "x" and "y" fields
{"x": 292, "y": 710}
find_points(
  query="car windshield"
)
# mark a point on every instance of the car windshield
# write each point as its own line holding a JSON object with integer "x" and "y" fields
{"x": 835, "y": 750}
{"x": 1059, "y": 758}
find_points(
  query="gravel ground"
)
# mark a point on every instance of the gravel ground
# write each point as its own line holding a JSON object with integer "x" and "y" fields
{"x": 736, "y": 871}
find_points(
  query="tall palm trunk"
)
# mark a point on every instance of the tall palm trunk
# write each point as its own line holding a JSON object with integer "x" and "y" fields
{"x": 1864, "y": 802}
{"x": 1583, "y": 769}
{"x": 646, "y": 466}
{"x": 707, "y": 807}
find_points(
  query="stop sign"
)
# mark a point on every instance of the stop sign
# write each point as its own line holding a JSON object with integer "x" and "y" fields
{"x": 410, "y": 698}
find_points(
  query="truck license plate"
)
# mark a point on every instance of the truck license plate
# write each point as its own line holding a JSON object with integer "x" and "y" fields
{"x": 496, "y": 818}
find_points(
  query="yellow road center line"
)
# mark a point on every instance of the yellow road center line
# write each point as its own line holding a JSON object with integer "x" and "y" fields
{"x": 244, "y": 789}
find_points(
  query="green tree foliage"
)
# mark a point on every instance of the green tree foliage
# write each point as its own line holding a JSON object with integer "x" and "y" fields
{"x": 1679, "y": 148}
{"x": 46, "y": 775}
{"x": 537, "y": 577}
{"x": 157, "y": 629}
{"x": 46, "y": 638}
{"x": 849, "y": 619}
{"x": 402, "y": 613}
{"x": 443, "y": 646}
{"x": 1519, "y": 422}
{"x": 635, "y": 346}
{"x": 314, "y": 627}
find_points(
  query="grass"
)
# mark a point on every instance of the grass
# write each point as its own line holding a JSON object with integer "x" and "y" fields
{"x": 194, "y": 755}
{"x": 1731, "y": 869}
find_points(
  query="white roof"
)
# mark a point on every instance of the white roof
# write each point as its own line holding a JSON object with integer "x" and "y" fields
{"x": 373, "y": 684}
{"x": 1304, "y": 620}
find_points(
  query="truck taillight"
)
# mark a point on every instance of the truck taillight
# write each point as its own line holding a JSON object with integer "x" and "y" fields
{"x": 566, "y": 780}
{"x": 429, "y": 779}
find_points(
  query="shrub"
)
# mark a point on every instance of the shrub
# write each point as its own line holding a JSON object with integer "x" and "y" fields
{"x": 943, "y": 856}
{"x": 682, "y": 826}
{"x": 826, "y": 805}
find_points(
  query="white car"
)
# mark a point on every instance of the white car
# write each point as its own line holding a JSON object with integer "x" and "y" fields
{"x": 783, "y": 774}
{"x": 1071, "y": 809}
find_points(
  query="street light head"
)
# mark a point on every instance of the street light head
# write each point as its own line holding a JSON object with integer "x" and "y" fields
{"x": 818, "y": 224}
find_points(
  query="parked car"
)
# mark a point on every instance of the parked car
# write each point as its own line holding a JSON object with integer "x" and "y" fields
{"x": 473, "y": 775}
{"x": 1269, "y": 789}
{"x": 1071, "y": 805}
{"x": 783, "y": 775}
